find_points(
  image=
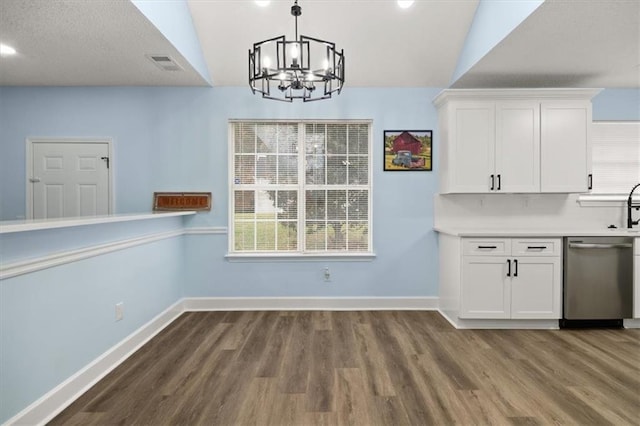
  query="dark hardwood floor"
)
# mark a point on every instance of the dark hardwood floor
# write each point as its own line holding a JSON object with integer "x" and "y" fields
{"x": 365, "y": 368}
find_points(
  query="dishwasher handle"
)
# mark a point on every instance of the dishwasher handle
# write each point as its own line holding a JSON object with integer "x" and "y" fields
{"x": 600, "y": 245}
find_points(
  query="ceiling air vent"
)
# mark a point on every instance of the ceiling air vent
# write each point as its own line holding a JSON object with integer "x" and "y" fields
{"x": 164, "y": 62}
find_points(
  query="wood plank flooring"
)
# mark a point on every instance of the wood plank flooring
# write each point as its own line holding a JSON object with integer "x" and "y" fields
{"x": 365, "y": 368}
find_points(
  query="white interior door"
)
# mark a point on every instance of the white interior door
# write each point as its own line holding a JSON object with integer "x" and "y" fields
{"x": 69, "y": 179}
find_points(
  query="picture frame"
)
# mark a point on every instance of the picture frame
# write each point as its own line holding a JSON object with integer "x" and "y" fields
{"x": 408, "y": 150}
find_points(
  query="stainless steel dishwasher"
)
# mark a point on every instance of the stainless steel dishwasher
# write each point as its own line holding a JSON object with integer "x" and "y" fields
{"x": 598, "y": 281}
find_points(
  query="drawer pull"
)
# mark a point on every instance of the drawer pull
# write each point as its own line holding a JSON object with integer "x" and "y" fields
{"x": 536, "y": 247}
{"x": 509, "y": 267}
{"x": 515, "y": 265}
{"x": 487, "y": 247}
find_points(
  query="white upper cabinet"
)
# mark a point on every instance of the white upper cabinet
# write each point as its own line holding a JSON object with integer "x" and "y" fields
{"x": 517, "y": 146}
{"x": 473, "y": 152}
{"x": 565, "y": 146}
{"x": 514, "y": 140}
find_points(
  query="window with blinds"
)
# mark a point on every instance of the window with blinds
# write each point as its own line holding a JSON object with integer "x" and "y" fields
{"x": 615, "y": 157}
{"x": 300, "y": 187}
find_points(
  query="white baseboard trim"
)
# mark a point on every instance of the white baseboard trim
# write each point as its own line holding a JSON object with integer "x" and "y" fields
{"x": 60, "y": 397}
{"x": 498, "y": 324}
{"x": 309, "y": 303}
{"x": 450, "y": 318}
{"x": 631, "y": 323}
{"x": 11, "y": 270}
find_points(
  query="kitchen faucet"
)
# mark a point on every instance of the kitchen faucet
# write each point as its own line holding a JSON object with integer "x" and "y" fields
{"x": 630, "y": 206}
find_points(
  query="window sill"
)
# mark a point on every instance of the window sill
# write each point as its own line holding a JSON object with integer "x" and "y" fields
{"x": 300, "y": 257}
{"x": 595, "y": 200}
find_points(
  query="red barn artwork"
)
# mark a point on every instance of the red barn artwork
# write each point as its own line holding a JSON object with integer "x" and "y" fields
{"x": 405, "y": 141}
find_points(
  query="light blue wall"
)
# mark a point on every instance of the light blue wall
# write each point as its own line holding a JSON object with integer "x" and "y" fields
{"x": 20, "y": 246}
{"x": 404, "y": 241}
{"x": 173, "y": 19}
{"x": 57, "y": 320}
{"x": 123, "y": 114}
{"x": 493, "y": 21}
{"x": 617, "y": 105}
{"x": 176, "y": 139}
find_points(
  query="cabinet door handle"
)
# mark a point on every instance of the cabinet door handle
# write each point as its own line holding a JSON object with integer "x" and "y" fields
{"x": 536, "y": 247}
{"x": 515, "y": 267}
{"x": 499, "y": 184}
{"x": 492, "y": 182}
{"x": 508, "y": 267}
{"x": 590, "y": 181}
{"x": 487, "y": 247}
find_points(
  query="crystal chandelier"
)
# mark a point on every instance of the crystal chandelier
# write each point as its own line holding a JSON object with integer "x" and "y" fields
{"x": 295, "y": 75}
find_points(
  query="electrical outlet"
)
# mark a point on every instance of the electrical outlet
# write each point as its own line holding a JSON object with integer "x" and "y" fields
{"x": 327, "y": 274}
{"x": 119, "y": 311}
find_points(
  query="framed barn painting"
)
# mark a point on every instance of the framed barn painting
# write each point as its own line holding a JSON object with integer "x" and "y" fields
{"x": 408, "y": 150}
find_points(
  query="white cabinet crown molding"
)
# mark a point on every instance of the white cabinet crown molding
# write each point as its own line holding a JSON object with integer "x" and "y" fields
{"x": 505, "y": 93}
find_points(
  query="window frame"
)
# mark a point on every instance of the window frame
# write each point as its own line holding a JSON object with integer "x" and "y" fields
{"x": 300, "y": 187}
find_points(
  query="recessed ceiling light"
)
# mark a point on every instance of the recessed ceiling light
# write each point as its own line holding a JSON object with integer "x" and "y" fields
{"x": 404, "y": 4}
{"x": 263, "y": 3}
{"x": 6, "y": 50}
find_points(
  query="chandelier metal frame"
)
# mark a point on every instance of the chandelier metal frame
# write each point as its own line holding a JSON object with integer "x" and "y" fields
{"x": 293, "y": 77}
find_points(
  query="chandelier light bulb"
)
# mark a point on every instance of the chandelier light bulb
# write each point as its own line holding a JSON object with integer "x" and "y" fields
{"x": 263, "y": 3}
{"x": 266, "y": 62}
{"x": 294, "y": 51}
{"x": 325, "y": 64}
{"x": 282, "y": 76}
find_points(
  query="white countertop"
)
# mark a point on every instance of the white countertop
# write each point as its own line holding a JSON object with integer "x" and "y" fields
{"x": 537, "y": 232}
{"x": 34, "y": 225}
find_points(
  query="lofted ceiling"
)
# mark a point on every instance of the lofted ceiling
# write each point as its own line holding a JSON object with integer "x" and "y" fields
{"x": 564, "y": 43}
{"x": 383, "y": 44}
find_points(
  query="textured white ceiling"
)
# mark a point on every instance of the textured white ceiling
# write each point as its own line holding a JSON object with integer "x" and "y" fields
{"x": 564, "y": 43}
{"x": 85, "y": 43}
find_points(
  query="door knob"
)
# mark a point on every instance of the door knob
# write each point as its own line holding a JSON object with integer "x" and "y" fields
{"x": 34, "y": 179}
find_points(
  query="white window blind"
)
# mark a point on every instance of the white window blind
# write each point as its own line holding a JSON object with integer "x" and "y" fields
{"x": 615, "y": 157}
{"x": 300, "y": 187}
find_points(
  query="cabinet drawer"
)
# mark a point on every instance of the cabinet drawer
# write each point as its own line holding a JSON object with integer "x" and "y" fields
{"x": 486, "y": 246}
{"x": 536, "y": 247}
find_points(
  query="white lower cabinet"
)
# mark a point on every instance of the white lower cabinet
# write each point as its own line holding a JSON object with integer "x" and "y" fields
{"x": 511, "y": 278}
{"x": 536, "y": 291}
{"x": 486, "y": 291}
